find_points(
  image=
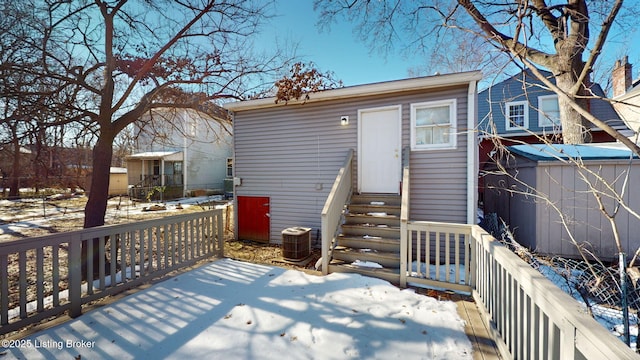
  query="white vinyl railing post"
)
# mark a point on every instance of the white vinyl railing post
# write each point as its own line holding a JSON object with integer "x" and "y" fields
{"x": 75, "y": 275}
{"x": 405, "y": 237}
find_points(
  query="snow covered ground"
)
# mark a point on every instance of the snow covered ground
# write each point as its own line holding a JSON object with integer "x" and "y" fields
{"x": 33, "y": 217}
{"x": 236, "y": 310}
{"x": 608, "y": 317}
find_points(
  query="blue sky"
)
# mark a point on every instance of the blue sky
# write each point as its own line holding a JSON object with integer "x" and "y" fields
{"x": 352, "y": 61}
{"x": 337, "y": 49}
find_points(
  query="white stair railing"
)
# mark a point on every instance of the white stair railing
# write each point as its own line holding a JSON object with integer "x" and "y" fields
{"x": 333, "y": 207}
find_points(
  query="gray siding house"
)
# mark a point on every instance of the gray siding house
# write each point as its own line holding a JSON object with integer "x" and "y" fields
{"x": 287, "y": 156}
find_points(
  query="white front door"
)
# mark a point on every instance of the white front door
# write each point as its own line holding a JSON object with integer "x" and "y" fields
{"x": 379, "y": 150}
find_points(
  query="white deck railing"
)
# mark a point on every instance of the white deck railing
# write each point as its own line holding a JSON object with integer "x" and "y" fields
{"x": 333, "y": 207}
{"x": 529, "y": 316}
{"x": 438, "y": 255}
{"x": 41, "y": 277}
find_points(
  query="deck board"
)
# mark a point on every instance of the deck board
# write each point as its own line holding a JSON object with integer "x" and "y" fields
{"x": 484, "y": 348}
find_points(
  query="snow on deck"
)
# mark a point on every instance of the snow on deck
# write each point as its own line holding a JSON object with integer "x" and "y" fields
{"x": 236, "y": 310}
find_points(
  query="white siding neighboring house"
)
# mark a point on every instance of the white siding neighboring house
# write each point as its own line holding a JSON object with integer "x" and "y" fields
{"x": 181, "y": 150}
{"x": 287, "y": 156}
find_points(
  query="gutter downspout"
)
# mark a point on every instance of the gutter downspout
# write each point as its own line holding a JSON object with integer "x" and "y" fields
{"x": 472, "y": 151}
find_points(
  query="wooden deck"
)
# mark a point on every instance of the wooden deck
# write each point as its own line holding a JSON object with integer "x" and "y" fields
{"x": 484, "y": 348}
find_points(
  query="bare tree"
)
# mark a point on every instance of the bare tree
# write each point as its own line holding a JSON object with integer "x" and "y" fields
{"x": 556, "y": 35}
{"x": 22, "y": 94}
{"x": 119, "y": 59}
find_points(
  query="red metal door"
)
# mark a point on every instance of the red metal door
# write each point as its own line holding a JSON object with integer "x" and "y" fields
{"x": 253, "y": 218}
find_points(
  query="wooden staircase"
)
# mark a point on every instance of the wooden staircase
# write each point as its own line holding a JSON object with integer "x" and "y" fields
{"x": 369, "y": 242}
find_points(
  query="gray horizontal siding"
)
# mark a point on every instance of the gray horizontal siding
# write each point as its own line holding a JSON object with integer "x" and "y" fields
{"x": 284, "y": 152}
{"x": 439, "y": 177}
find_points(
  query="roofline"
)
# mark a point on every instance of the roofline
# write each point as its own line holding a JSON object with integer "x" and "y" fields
{"x": 514, "y": 149}
{"x": 633, "y": 92}
{"x": 152, "y": 154}
{"x": 542, "y": 133}
{"x": 386, "y": 87}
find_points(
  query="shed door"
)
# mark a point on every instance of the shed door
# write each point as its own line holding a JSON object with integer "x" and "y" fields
{"x": 379, "y": 155}
{"x": 253, "y": 218}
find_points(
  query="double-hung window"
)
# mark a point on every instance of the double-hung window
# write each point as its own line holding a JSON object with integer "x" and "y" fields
{"x": 433, "y": 125}
{"x": 548, "y": 111}
{"x": 229, "y": 167}
{"x": 516, "y": 115}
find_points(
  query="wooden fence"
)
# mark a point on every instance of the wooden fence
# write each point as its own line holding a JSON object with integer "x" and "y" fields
{"x": 42, "y": 277}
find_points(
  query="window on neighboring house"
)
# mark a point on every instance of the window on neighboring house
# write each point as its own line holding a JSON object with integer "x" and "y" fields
{"x": 433, "y": 125}
{"x": 156, "y": 167}
{"x": 177, "y": 167}
{"x": 548, "y": 111}
{"x": 229, "y": 167}
{"x": 516, "y": 115}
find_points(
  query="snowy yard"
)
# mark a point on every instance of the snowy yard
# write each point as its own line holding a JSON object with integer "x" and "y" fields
{"x": 36, "y": 217}
{"x": 237, "y": 310}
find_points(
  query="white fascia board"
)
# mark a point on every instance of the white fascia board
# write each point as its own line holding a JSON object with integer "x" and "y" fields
{"x": 380, "y": 88}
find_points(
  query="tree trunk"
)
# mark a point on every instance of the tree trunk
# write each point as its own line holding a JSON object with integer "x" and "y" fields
{"x": 14, "y": 184}
{"x": 568, "y": 66}
{"x": 575, "y": 129}
{"x": 96, "y": 208}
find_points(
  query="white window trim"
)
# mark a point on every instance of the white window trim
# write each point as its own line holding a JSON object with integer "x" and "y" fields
{"x": 453, "y": 118}
{"x": 542, "y": 118}
{"x": 507, "y": 123}
{"x": 229, "y": 166}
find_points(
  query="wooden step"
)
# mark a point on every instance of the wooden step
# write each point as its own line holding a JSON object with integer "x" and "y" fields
{"x": 384, "y": 258}
{"x": 368, "y": 208}
{"x": 390, "y": 275}
{"x": 388, "y": 199}
{"x": 359, "y": 242}
{"x": 390, "y": 232}
{"x": 367, "y": 218}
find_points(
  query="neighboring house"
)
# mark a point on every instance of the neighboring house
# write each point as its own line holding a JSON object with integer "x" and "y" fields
{"x": 521, "y": 110}
{"x": 180, "y": 152}
{"x": 626, "y": 94}
{"x": 540, "y": 183}
{"x": 287, "y": 156}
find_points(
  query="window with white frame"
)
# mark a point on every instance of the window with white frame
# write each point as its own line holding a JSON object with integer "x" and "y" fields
{"x": 516, "y": 115}
{"x": 433, "y": 125}
{"x": 229, "y": 167}
{"x": 548, "y": 111}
